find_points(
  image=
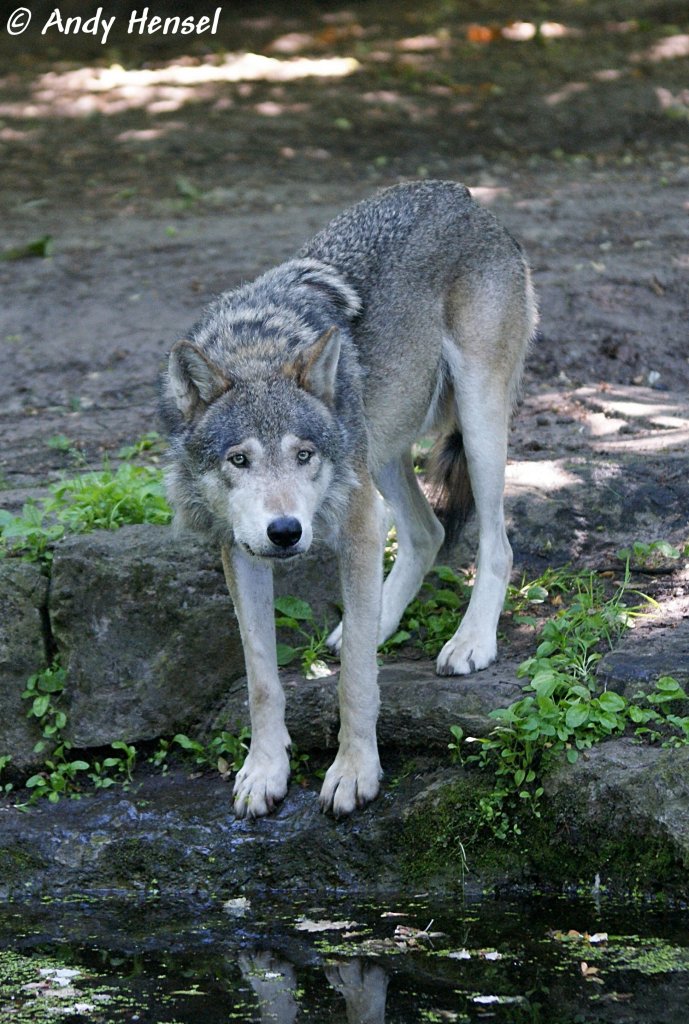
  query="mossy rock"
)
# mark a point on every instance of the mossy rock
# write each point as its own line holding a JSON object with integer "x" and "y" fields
{"x": 619, "y": 815}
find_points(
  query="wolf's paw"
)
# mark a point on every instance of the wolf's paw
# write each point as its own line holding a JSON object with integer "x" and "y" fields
{"x": 261, "y": 784}
{"x": 352, "y": 780}
{"x": 465, "y": 654}
{"x": 334, "y": 641}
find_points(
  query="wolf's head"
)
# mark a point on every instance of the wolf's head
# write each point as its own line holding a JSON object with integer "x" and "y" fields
{"x": 258, "y": 456}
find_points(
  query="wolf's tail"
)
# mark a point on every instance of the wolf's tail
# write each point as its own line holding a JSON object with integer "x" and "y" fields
{"x": 451, "y": 494}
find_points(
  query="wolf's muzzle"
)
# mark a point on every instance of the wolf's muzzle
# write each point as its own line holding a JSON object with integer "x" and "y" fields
{"x": 284, "y": 532}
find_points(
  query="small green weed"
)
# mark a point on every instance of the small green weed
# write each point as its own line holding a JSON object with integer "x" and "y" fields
{"x": 44, "y": 690}
{"x": 226, "y": 752}
{"x": 115, "y": 768}
{"x": 39, "y": 248}
{"x": 150, "y": 444}
{"x": 58, "y": 777}
{"x": 524, "y": 598}
{"x": 431, "y": 618}
{"x": 654, "y": 718}
{"x": 658, "y": 555}
{"x": 62, "y": 443}
{"x": 5, "y": 787}
{"x": 299, "y": 766}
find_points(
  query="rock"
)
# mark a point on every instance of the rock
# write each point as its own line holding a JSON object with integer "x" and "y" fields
{"x": 619, "y": 815}
{"x": 637, "y": 664}
{"x": 417, "y": 706}
{"x": 623, "y": 811}
{"x": 23, "y": 592}
{"x": 180, "y": 835}
{"x": 146, "y": 630}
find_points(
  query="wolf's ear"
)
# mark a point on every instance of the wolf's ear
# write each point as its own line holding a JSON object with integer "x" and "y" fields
{"x": 315, "y": 368}
{"x": 193, "y": 378}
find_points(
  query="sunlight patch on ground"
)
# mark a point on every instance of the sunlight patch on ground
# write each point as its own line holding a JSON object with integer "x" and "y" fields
{"x": 671, "y": 48}
{"x": 523, "y": 31}
{"x": 111, "y": 90}
{"x": 539, "y": 475}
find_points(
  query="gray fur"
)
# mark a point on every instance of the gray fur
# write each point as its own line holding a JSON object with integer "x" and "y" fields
{"x": 409, "y": 313}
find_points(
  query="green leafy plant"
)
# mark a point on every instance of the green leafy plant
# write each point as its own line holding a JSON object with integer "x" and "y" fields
{"x": 653, "y": 714}
{"x": 39, "y": 248}
{"x": 523, "y": 599}
{"x": 431, "y": 618}
{"x": 563, "y": 710}
{"x": 59, "y": 775}
{"x": 150, "y": 444}
{"x": 114, "y": 768}
{"x": 297, "y": 616}
{"x": 61, "y": 443}
{"x": 225, "y": 751}
{"x": 299, "y": 766}
{"x": 43, "y": 690}
{"x": 106, "y": 500}
{"x": 62, "y": 773}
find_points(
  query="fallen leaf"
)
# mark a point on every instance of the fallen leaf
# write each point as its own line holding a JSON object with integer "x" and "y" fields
{"x": 415, "y": 937}
{"x": 237, "y": 906}
{"x": 590, "y": 973}
{"x": 304, "y": 924}
{"x": 481, "y": 33}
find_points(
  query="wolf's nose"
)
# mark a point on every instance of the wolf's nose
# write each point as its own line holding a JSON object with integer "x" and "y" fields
{"x": 284, "y": 532}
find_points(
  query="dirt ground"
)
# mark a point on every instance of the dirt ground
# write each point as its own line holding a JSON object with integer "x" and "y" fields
{"x": 166, "y": 169}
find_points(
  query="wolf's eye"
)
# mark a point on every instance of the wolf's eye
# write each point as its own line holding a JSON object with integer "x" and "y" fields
{"x": 304, "y": 455}
{"x": 238, "y": 459}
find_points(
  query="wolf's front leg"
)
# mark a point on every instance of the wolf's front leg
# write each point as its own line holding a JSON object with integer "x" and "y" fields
{"x": 354, "y": 777}
{"x": 262, "y": 781}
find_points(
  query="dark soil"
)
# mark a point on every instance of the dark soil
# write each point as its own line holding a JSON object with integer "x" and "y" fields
{"x": 166, "y": 169}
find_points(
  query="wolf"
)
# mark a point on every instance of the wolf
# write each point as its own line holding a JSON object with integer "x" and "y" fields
{"x": 292, "y": 406}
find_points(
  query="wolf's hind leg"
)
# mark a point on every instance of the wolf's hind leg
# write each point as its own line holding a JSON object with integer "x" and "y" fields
{"x": 483, "y": 408}
{"x": 419, "y": 537}
{"x": 262, "y": 781}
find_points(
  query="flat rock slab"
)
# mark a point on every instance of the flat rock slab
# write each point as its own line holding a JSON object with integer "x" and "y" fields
{"x": 180, "y": 835}
{"x": 636, "y": 665}
{"x": 621, "y": 813}
{"x": 416, "y": 711}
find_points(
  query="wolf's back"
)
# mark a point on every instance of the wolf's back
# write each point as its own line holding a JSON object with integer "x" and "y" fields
{"x": 426, "y": 231}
